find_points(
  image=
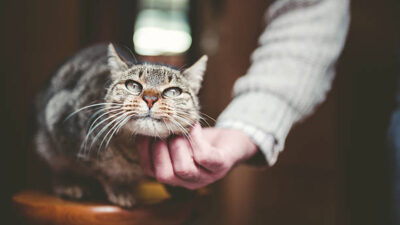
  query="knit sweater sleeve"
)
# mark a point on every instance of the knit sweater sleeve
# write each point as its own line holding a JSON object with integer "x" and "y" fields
{"x": 291, "y": 71}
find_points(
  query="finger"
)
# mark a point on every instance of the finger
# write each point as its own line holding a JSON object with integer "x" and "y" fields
{"x": 210, "y": 134}
{"x": 204, "y": 178}
{"x": 182, "y": 159}
{"x": 195, "y": 136}
{"x": 163, "y": 169}
{"x": 204, "y": 153}
{"x": 143, "y": 148}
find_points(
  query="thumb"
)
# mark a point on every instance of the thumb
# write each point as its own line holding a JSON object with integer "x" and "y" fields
{"x": 196, "y": 136}
{"x": 200, "y": 144}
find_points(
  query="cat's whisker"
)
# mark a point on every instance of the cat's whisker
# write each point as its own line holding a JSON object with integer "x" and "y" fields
{"x": 168, "y": 119}
{"x": 201, "y": 117}
{"x": 105, "y": 128}
{"x": 112, "y": 131}
{"x": 116, "y": 130}
{"x": 94, "y": 122}
{"x": 165, "y": 124}
{"x": 187, "y": 134}
{"x": 90, "y": 120}
{"x": 178, "y": 125}
{"x": 97, "y": 125}
{"x": 114, "y": 125}
{"x": 168, "y": 128}
{"x": 92, "y": 129}
{"x": 184, "y": 132}
{"x": 89, "y": 106}
{"x": 156, "y": 133}
{"x": 129, "y": 116}
{"x": 181, "y": 111}
{"x": 203, "y": 121}
{"x": 189, "y": 138}
{"x": 209, "y": 117}
{"x": 186, "y": 120}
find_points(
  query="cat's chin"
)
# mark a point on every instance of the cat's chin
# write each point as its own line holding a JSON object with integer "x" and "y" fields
{"x": 148, "y": 127}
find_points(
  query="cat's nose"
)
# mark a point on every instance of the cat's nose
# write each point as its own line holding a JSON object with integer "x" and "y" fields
{"x": 150, "y": 100}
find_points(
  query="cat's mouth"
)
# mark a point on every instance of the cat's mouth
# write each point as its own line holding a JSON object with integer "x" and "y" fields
{"x": 149, "y": 117}
{"x": 148, "y": 125}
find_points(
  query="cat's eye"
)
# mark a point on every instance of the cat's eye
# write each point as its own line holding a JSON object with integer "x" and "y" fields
{"x": 172, "y": 92}
{"x": 133, "y": 86}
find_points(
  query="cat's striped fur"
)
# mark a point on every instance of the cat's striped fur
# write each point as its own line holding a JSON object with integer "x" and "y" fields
{"x": 95, "y": 105}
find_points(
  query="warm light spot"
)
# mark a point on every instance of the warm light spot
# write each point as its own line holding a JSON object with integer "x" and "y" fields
{"x": 158, "y": 41}
{"x": 160, "y": 32}
{"x": 105, "y": 209}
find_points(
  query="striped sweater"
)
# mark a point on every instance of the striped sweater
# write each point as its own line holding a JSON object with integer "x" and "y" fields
{"x": 291, "y": 71}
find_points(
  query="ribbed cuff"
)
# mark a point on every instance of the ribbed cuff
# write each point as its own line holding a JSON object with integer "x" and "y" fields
{"x": 266, "y": 114}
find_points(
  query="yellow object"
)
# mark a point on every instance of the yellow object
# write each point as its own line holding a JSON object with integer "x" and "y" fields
{"x": 150, "y": 192}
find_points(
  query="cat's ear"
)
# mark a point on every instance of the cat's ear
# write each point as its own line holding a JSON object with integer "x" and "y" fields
{"x": 195, "y": 73}
{"x": 115, "y": 61}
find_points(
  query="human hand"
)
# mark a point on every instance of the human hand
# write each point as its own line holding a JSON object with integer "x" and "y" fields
{"x": 203, "y": 158}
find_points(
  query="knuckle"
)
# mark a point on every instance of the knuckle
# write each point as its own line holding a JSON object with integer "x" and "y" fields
{"x": 187, "y": 174}
{"x": 210, "y": 162}
{"x": 202, "y": 158}
{"x": 217, "y": 165}
{"x": 165, "y": 177}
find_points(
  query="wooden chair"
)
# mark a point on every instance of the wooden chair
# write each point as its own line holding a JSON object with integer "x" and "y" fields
{"x": 157, "y": 208}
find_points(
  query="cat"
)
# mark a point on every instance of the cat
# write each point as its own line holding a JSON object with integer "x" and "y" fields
{"x": 96, "y": 104}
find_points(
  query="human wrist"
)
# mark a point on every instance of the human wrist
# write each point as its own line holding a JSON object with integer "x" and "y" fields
{"x": 241, "y": 144}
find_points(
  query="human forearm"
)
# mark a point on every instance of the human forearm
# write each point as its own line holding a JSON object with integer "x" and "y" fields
{"x": 291, "y": 71}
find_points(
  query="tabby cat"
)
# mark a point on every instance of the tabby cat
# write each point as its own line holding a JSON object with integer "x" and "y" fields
{"x": 96, "y": 104}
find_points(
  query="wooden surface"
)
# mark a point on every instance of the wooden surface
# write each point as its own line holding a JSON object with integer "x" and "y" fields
{"x": 35, "y": 207}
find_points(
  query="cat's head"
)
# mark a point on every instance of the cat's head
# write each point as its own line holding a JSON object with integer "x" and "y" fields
{"x": 154, "y": 100}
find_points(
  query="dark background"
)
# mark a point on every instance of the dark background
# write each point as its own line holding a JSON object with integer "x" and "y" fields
{"x": 334, "y": 170}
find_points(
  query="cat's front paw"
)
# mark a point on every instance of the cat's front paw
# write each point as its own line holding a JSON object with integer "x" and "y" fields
{"x": 69, "y": 191}
{"x": 122, "y": 199}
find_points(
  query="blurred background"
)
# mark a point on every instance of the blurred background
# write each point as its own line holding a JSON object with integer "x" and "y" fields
{"x": 334, "y": 170}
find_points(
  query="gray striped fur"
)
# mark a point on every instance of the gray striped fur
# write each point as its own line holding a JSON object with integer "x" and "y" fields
{"x": 98, "y": 75}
